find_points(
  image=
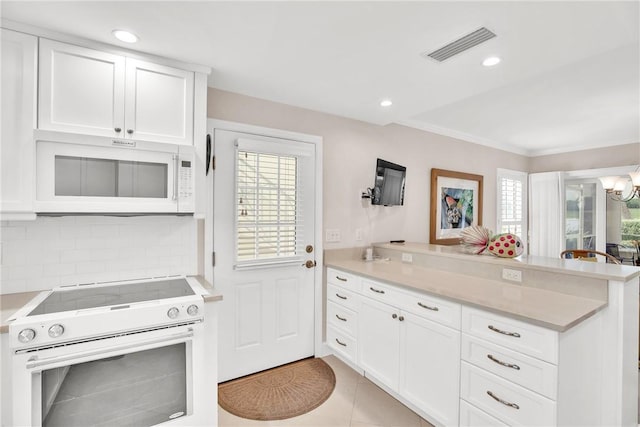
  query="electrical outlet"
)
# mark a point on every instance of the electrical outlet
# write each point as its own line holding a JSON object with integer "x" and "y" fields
{"x": 407, "y": 257}
{"x": 359, "y": 234}
{"x": 332, "y": 235}
{"x": 512, "y": 275}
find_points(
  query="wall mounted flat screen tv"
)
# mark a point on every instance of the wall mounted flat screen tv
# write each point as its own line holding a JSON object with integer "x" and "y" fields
{"x": 389, "y": 187}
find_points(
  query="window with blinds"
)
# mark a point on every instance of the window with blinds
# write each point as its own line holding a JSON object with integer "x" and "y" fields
{"x": 512, "y": 203}
{"x": 268, "y": 209}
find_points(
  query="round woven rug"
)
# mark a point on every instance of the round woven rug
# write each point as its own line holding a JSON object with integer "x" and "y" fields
{"x": 279, "y": 393}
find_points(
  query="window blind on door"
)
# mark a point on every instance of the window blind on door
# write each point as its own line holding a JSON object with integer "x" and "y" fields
{"x": 269, "y": 214}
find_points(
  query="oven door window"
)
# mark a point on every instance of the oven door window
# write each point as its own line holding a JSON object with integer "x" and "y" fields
{"x": 144, "y": 388}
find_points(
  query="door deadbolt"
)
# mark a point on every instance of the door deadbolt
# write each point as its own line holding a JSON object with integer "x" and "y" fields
{"x": 309, "y": 249}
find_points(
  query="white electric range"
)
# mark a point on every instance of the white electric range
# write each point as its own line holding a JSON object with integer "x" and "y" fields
{"x": 120, "y": 353}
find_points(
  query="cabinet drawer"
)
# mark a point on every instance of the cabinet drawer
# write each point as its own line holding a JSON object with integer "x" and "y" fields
{"x": 504, "y": 400}
{"x": 526, "y": 371}
{"x": 432, "y": 308}
{"x": 340, "y": 278}
{"x": 470, "y": 416}
{"x": 520, "y": 336}
{"x": 387, "y": 294}
{"x": 342, "y": 318}
{"x": 341, "y": 343}
{"x": 342, "y": 296}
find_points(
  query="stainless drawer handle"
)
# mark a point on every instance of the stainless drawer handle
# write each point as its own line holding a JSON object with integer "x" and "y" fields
{"x": 340, "y": 342}
{"x": 342, "y": 279}
{"x": 500, "y": 362}
{"x": 428, "y": 307}
{"x": 511, "y": 334}
{"x": 378, "y": 291}
{"x": 340, "y": 296}
{"x": 504, "y": 402}
{"x": 344, "y": 319}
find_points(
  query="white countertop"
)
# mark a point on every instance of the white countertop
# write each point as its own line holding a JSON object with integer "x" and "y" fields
{"x": 542, "y": 307}
{"x": 598, "y": 270}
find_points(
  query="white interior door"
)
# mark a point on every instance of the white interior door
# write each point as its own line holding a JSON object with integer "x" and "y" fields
{"x": 263, "y": 215}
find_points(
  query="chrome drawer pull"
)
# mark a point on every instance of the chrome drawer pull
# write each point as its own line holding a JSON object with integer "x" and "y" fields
{"x": 341, "y": 343}
{"x": 340, "y": 296}
{"x": 342, "y": 279}
{"x": 427, "y": 307}
{"x": 511, "y": 334}
{"x": 500, "y": 362}
{"x": 378, "y": 291}
{"x": 344, "y": 320}
{"x": 504, "y": 402}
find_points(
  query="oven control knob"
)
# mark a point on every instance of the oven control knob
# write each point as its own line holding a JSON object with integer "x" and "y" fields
{"x": 26, "y": 335}
{"x": 56, "y": 330}
{"x": 173, "y": 312}
{"x": 192, "y": 310}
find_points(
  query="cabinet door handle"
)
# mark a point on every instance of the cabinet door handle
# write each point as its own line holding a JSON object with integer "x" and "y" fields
{"x": 342, "y": 279}
{"x": 511, "y": 334}
{"x": 428, "y": 307}
{"x": 341, "y": 318}
{"x": 500, "y": 362}
{"x": 340, "y": 296}
{"x": 401, "y": 318}
{"x": 394, "y": 316}
{"x": 340, "y": 342}
{"x": 118, "y": 130}
{"x": 129, "y": 131}
{"x": 504, "y": 402}
{"x": 378, "y": 291}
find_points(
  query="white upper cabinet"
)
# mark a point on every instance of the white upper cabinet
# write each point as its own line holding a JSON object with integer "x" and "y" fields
{"x": 158, "y": 102}
{"x": 81, "y": 90}
{"x": 19, "y": 71}
{"x": 92, "y": 92}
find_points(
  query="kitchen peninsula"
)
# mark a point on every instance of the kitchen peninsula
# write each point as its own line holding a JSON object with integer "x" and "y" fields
{"x": 467, "y": 340}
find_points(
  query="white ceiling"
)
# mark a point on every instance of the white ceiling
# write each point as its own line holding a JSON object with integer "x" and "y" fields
{"x": 569, "y": 77}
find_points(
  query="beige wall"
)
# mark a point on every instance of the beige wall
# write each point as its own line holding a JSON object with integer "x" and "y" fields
{"x": 350, "y": 151}
{"x": 619, "y": 155}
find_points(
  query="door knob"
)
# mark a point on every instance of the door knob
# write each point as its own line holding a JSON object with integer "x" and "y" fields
{"x": 309, "y": 264}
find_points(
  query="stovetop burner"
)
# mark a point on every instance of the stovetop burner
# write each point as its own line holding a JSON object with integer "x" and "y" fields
{"x": 102, "y": 296}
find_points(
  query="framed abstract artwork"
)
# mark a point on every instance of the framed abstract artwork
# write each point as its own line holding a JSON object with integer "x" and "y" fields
{"x": 456, "y": 203}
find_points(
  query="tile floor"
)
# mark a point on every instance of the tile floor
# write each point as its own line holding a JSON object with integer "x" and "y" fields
{"x": 355, "y": 402}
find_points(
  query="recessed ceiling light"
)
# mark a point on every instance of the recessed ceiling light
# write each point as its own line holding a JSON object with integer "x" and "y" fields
{"x": 386, "y": 103}
{"x": 125, "y": 36}
{"x": 491, "y": 61}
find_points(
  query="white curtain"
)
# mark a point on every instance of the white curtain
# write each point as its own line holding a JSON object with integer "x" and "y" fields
{"x": 546, "y": 214}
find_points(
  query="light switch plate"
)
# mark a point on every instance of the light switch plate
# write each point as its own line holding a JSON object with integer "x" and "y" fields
{"x": 332, "y": 235}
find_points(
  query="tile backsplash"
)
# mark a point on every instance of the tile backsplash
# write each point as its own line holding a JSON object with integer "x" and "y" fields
{"x": 53, "y": 251}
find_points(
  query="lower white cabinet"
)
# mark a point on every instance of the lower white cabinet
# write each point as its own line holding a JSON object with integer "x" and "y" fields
{"x": 458, "y": 365}
{"x": 379, "y": 341}
{"x": 430, "y": 367}
{"x": 413, "y": 356}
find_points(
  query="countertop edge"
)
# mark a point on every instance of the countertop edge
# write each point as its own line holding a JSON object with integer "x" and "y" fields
{"x": 212, "y": 295}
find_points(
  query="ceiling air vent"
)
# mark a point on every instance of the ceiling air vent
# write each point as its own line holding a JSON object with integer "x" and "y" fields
{"x": 460, "y": 45}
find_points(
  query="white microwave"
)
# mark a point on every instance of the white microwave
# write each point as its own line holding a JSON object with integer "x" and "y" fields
{"x": 79, "y": 174}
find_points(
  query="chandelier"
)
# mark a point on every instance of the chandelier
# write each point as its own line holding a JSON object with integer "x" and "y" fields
{"x": 616, "y": 186}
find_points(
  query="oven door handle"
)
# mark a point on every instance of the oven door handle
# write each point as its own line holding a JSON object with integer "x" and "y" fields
{"x": 36, "y": 362}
